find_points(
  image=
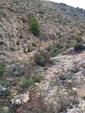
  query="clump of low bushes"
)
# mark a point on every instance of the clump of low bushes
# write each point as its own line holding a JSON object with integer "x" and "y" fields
{"x": 79, "y": 47}
{"x": 29, "y": 80}
{"x": 42, "y": 58}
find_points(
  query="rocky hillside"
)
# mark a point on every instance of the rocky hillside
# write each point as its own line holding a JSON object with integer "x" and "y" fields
{"x": 43, "y": 73}
{"x": 62, "y": 89}
{"x": 57, "y": 22}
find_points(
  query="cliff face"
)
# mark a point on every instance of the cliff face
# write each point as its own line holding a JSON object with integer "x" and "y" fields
{"x": 56, "y": 21}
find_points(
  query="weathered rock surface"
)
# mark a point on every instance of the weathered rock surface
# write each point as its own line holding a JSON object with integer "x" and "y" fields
{"x": 20, "y": 99}
{"x": 65, "y": 79}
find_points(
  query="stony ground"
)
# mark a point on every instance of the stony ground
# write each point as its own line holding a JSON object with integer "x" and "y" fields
{"x": 62, "y": 89}
{"x": 58, "y": 22}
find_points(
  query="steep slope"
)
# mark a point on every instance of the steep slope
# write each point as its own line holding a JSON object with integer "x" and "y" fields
{"x": 62, "y": 89}
{"x": 57, "y": 22}
{"x": 39, "y": 83}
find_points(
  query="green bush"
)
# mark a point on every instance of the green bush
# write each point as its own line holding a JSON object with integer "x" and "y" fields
{"x": 79, "y": 47}
{"x": 34, "y": 43}
{"x": 24, "y": 19}
{"x": 26, "y": 81}
{"x": 42, "y": 58}
{"x": 34, "y": 26}
{"x": 78, "y": 38}
{"x": 6, "y": 83}
{"x": 16, "y": 70}
{"x": 59, "y": 46}
{"x": 53, "y": 54}
{"x": 1, "y": 42}
{"x": 2, "y": 13}
{"x": 5, "y": 92}
{"x": 37, "y": 78}
{"x": 42, "y": 11}
{"x": 1, "y": 69}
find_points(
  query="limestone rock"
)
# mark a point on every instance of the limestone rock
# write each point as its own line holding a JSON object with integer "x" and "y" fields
{"x": 12, "y": 101}
{"x": 17, "y": 101}
{"x": 74, "y": 110}
{"x": 82, "y": 105}
{"x": 25, "y": 97}
{"x": 56, "y": 72}
{"x": 20, "y": 99}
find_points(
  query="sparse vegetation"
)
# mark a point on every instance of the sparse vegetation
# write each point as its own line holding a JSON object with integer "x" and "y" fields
{"x": 2, "y": 13}
{"x": 6, "y": 83}
{"x": 77, "y": 38}
{"x": 1, "y": 69}
{"x": 42, "y": 11}
{"x": 37, "y": 78}
{"x": 58, "y": 88}
{"x": 26, "y": 81}
{"x": 1, "y": 42}
{"x": 34, "y": 43}
{"x": 42, "y": 58}
{"x": 4, "y": 111}
{"x": 24, "y": 19}
{"x": 79, "y": 47}
{"x": 31, "y": 33}
{"x": 5, "y": 92}
{"x": 55, "y": 49}
{"x": 16, "y": 70}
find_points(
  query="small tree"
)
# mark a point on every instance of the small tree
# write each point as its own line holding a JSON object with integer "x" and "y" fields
{"x": 1, "y": 69}
{"x": 34, "y": 26}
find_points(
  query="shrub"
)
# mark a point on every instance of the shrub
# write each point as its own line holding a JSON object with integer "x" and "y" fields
{"x": 37, "y": 78}
{"x": 77, "y": 38}
{"x": 1, "y": 42}
{"x": 53, "y": 54}
{"x": 79, "y": 47}
{"x": 34, "y": 43}
{"x": 42, "y": 58}
{"x": 2, "y": 13}
{"x": 17, "y": 43}
{"x": 5, "y": 92}
{"x": 49, "y": 48}
{"x": 56, "y": 48}
{"x": 59, "y": 46}
{"x": 6, "y": 83}
{"x": 26, "y": 81}
{"x": 24, "y": 19}
{"x": 1, "y": 69}
{"x": 42, "y": 11}
{"x": 16, "y": 69}
{"x": 34, "y": 26}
